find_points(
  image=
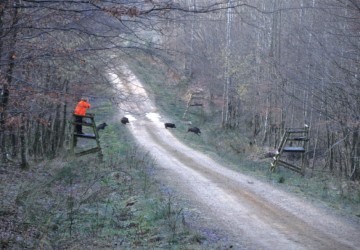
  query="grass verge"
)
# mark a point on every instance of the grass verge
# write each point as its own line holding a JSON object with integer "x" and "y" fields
{"x": 85, "y": 203}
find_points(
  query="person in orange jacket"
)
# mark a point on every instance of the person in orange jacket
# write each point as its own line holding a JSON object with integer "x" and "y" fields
{"x": 80, "y": 112}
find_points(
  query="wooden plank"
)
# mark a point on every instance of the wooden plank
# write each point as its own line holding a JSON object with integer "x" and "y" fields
{"x": 89, "y": 115}
{"x": 95, "y": 136}
{"x": 296, "y": 131}
{"x": 87, "y": 136}
{"x": 290, "y": 166}
{"x": 89, "y": 151}
{"x": 86, "y": 124}
{"x": 302, "y": 138}
{"x": 294, "y": 149}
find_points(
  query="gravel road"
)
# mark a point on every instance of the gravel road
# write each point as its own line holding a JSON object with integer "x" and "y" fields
{"x": 251, "y": 213}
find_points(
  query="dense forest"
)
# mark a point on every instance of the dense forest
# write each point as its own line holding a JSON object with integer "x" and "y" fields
{"x": 267, "y": 64}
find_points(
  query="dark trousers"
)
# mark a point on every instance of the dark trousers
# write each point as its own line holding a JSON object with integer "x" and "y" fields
{"x": 78, "y": 127}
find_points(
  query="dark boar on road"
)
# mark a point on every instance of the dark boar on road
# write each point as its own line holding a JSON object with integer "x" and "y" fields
{"x": 101, "y": 126}
{"x": 169, "y": 125}
{"x": 124, "y": 120}
{"x": 194, "y": 130}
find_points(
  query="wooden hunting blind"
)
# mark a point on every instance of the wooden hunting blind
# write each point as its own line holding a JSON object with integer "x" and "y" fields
{"x": 195, "y": 99}
{"x": 94, "y": 136}
{"x": 293, "y": 141}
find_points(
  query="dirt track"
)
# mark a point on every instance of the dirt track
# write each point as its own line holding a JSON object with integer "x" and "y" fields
{"x": 254, "y": 215}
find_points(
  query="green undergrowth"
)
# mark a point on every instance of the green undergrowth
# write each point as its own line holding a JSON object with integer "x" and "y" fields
{"x": 231, "y": 147}
{"x": 86, "y": 203}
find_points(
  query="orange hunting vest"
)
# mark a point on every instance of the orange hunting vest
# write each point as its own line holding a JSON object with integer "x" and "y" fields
{"x": 81, "y": 108}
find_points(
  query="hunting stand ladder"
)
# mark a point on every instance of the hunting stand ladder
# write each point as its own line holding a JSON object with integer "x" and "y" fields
{"x": 195, "y": 99}
{"x": 291, "y": 136}
{"x": 94, "y": 136}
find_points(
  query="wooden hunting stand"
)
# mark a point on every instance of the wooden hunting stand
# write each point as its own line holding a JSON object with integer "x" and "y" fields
{"x": 196, "y": 99}
{"x": 94, "y": 136}
{"x": 299, "y": 137}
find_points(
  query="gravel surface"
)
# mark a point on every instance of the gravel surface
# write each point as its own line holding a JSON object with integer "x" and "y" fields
{"x": 251, "y": 214}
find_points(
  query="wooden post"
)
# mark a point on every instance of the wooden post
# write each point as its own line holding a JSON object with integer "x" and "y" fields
{"x": 94, "y": 136}
{"x": 293, "y": 135}
{"x": 303, "y": 156}
{"x": 196, "y": 99}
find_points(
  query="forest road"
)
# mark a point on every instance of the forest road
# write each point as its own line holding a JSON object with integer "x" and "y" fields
{"x": 252, "y": 214}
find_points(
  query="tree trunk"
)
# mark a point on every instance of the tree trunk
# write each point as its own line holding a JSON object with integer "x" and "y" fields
{"x": 188, "y": 57}
{"x": 355, "y": 156}
{"x": 226, "y": 101}
{"x": 36, "y": 142}
{"x": 56, "y": 132}
{"x": 2, "y": 109}
{"x": 47, "y": 138}
{"x": 9, "y": 76}
{"x": 64, "y": 117}
{"x": 24, "y": 164}
{"x": 2, "y": 136}
{"x": 14, "y": 142}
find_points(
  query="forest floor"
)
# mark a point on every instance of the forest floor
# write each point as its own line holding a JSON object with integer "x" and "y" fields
{"x": 251, "y": 214}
